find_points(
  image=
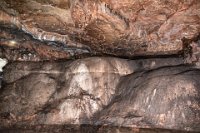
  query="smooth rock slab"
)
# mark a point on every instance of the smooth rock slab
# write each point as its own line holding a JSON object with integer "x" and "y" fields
{"x": 148, "y": 93}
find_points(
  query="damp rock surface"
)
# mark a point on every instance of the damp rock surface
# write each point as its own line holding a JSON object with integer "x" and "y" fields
{"x": 148, "y": 93}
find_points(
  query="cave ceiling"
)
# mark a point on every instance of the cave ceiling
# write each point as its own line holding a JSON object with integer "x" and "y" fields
{"x": 34, "y": 30}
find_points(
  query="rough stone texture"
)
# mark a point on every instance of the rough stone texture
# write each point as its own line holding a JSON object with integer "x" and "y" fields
{"x": 164, "y": 98}
{"x": 69, "y": 28}
{"x": 148, "y": 93}
{"x": 98, "y": 94}
{"x": 86, "y": 129}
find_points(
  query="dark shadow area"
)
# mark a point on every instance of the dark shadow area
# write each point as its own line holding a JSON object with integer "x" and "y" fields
{"x": 84, "y": 129}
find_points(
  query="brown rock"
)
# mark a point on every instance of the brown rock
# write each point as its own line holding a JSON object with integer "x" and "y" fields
{"x": 122, "y": 28}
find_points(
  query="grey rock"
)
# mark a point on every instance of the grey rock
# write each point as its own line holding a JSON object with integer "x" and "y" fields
{"x": 148, "y": 93}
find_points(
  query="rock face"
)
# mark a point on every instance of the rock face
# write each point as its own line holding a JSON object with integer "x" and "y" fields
{"x": 100, "y": 63}
{"x": 148, "y": 93}
{"x": 47, "y": 29}
{"x": 164, "y": 98}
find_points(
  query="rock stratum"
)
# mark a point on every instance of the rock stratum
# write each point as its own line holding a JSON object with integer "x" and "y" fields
{"x": 49, "y": 30}
{"x": 147, "y": 93}
{"x": 100, "y": 66}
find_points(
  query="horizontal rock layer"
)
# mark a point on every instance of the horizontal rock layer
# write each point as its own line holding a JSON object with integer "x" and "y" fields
{"x": 48, "y": 30}
{"x": 149, "y": 93}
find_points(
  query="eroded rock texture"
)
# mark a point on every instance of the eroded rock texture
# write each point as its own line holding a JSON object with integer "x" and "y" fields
{"x": 47, "y": 29}
{"x": 154, "y": 87}
{"x": 149, "y": 93}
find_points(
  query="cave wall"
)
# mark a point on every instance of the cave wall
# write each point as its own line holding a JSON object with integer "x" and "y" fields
{"x": 113, "y": 65}
{"x": 146, "y": 93}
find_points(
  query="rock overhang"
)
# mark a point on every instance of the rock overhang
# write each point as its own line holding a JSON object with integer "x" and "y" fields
{"x": 47, "y": 30}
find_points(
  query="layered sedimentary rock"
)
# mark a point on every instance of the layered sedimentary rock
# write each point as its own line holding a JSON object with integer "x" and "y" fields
{"x": 148, "y": 93}
{"x": 47, "y": 29}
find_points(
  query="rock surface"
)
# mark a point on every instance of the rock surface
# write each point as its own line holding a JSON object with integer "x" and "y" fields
{"x": 49, "y": 30}
{"x": 148, "y": 93}
{"x": 155, "y": 86}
